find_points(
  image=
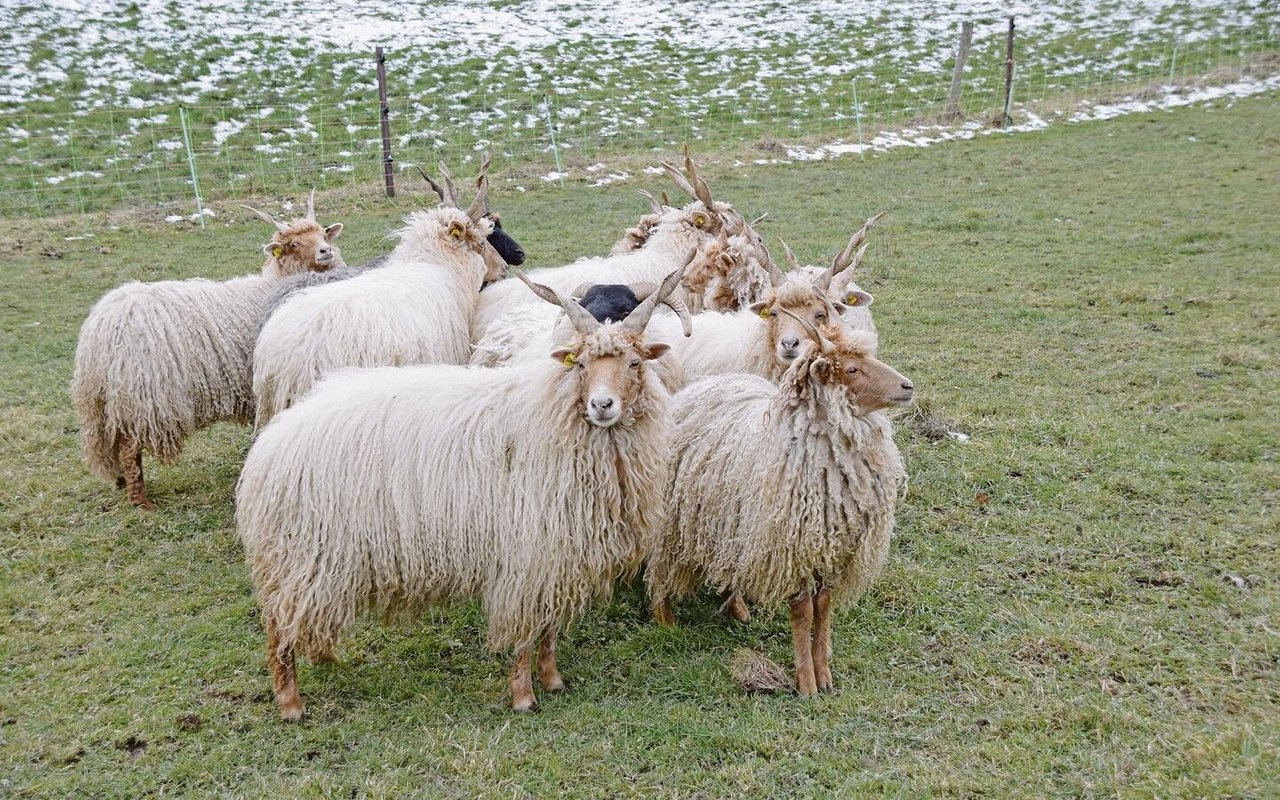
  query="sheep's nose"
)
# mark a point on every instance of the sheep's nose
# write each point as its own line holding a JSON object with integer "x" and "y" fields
{"x": 791, "y": 342}
{"x": 519, "y": 257}
{"x": 602, "y": 403}
{"x": 908, "y": 386}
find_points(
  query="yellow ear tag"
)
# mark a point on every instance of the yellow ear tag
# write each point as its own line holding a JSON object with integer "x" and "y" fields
{"x": 699, "y": 220}
{"x": 455, "y": 233}
{"x": 851, "y": 299}
{"x": 570, "y": 360}
{"x": 277, "y": 251}
{"x": 764, "y": 313}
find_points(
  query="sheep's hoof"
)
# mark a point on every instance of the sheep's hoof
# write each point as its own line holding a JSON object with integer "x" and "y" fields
{"x": 524, "y": 705}
{"x": 292, "y": 712}
{"x": 663, "y": 615}
{"x": 556, "y": 685}
{"x": 143, "y": 503}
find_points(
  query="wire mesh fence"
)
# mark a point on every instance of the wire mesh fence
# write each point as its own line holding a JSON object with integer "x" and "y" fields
{"x": 169, "y": 155}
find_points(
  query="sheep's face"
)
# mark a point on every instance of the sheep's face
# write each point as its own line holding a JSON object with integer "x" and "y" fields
{"x": 609, "y": 369}
{"x": 785, "y": 334}
{"x": 850, "y": 361}
{"x": 459, "y": 232}
{"x": 508, "y": 248}
{"x": 303, "y": 246}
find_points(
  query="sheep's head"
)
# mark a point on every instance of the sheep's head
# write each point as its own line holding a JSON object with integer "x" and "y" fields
{"x": 837, "y": 356}
{"x": 727, "y": 275}
{"x": 782, "y": 309}
{"x": 301, "y": 245}
{"x": 472, "y": 229}
{"x": 607, "y": 361}
{"x": 704, "y": 214}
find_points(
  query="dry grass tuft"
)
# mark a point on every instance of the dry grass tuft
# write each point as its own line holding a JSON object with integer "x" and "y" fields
{"x": 758, "y": 675}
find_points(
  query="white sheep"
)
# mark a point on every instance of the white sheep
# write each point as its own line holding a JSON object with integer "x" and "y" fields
{"x": 416, "y": 309}
{"x": 761, "y": 340}
{"x": 157, "y": 361}
{"x": 675, "y": 233}
{"x": 531, "y": 488}
{"x": 787, "y": 491}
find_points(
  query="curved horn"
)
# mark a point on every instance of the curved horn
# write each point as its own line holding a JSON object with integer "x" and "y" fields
{"x": 581, "y": 319}
{"x": 680, "y": 180}
{"x": 701, "y": 190}
{"x": 850, "y": 255}
{"x": 654, "y": 205}
{"x": 675, "y": 302}
{"x": 450, "y": 189}
{"x": 639, "y": 316}
{"x": 758, "y": 219}
{"x": 311, "y": 205}
{"x": 267, "y": 218}
{"x": 480, "y": 205}
{"x": 792, "y": 261}
{"x": 435, "y": 186}
{"x": 823, "y": 343}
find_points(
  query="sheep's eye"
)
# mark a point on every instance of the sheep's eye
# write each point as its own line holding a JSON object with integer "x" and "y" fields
{"x": 852, "y": 370}
{"x": 635, "y": 362}
{"x": 821, "y": 315}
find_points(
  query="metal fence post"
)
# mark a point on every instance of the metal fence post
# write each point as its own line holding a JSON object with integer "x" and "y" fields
{"x": 1007, "y": 118}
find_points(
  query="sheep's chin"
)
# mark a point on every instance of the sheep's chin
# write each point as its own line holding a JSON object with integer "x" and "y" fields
{"x": 601, "y": 421}
{"x": 786, "y": 355}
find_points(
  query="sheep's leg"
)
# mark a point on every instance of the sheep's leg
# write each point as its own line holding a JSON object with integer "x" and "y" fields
{"x": 522, "y": 698}
{"x": 285, "y": 675}
{"x": 662, "y": 613}
{"x": 731, "y": 603}
{"x": 130, "y": 451}
{"x": 801, "y": 627}
{"x": 548, "y": 674}
{"x": 822, "y": 639}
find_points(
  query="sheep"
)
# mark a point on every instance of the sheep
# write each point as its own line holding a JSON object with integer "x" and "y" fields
{"x": 677, "y": 231}
{"x": 787, "y": 491}
{"x": 760, "y": 340}
{"x": 156, "y": 362}
{"x": 526, "y": 333}
{"x": 389, "y": 490}
{"x": 508, "y": 248}
{"x": 415, "y": 310}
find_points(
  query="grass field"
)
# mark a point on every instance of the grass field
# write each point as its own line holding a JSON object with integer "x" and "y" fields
{"x": 282, "y": 96}
{"x": 1082, "y": 600}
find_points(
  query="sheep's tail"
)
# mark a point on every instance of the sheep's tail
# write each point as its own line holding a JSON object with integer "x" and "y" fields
{"x": 99, "y": 442}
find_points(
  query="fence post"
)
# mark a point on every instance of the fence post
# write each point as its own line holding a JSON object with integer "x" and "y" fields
{"x": 388, "y": 174}
{"x": 857, "y": 116}
{"x": 1006, "y": 119}
{"x": 551, "y": 128}
{"x": 191, "y": 162}
{"x": 952, "y": 109}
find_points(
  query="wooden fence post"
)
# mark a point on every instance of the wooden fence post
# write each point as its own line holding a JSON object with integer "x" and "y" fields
{"x": 1006, "y": 118}
{"x": 388, "y": 174}
{"x": 952, "y": 109}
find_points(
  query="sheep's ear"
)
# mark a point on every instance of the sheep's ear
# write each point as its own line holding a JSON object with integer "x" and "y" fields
{"x": 565, "y": 355}
{"x": 333, "y": 232}
{"x": 760, "y": 308}
{"x": 457, "y": 230}
{"x": 653, "y": 350}
{"x": 856, "y": 298}
{"x": 839, "y": 307}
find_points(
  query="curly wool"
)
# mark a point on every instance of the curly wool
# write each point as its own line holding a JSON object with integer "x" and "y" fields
{"x": 775, "y": 489}
{"x": 389, "y": 490}
{"x": 665, "y": 250}
{"x": 157, "y": 361}
{"x": 416, "y": 309}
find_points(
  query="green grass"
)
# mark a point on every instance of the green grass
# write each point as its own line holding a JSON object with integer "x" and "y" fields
{"x": 1081, "y": 600}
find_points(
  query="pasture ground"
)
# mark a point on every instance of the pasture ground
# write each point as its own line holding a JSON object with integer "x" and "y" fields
{"x": 1082, "y": 599}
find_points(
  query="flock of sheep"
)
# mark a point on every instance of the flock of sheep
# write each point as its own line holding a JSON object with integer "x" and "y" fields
{"x": 429, "y": 429}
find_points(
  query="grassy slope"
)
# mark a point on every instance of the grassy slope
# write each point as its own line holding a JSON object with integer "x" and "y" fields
{"x": 1096, "y": 305}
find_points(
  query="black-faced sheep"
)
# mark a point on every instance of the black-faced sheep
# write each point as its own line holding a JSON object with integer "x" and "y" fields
{"x": 364, "y": 496}
{"x": 785, "y": 492}
{"x": 157, "y": 361}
